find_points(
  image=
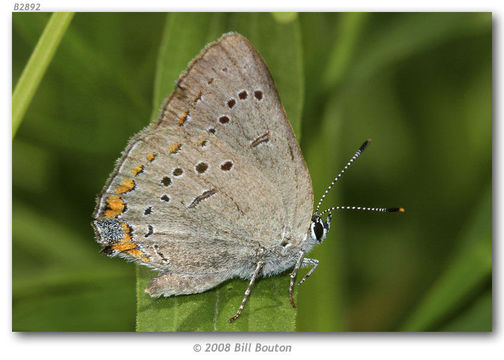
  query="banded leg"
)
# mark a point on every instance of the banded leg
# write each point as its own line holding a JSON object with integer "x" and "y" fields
{"x": 293, "y": 277}
{"x": 247, "y": 292}
{"x": 307, "y": 261}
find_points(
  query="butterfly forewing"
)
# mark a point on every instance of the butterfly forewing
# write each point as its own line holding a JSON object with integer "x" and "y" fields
{"x": 228, "y": 92}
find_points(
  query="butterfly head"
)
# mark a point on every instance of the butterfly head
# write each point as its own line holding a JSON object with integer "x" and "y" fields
{"x": 319, "y": 228}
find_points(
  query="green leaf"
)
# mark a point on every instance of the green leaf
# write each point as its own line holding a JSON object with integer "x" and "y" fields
{"x": 37, "y": 65}
{"x": 267, "y": 308}
{"x": 285, "y": 17}
{"x": 350, "y": 30}
{"x": 478, "y": 317}
{"x": 470, "y": 268}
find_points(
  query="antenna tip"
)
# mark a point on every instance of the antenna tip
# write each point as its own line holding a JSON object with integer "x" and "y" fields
{"x": 365, "y": 145}
{"x": 395, "y": 210}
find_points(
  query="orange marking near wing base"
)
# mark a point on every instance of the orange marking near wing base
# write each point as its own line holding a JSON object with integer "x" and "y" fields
{"x": 127, "y": 233}
{"x": 124, "y": 246}
{"x": 127, "y": 185}
{"x": 137, "y": 253}
{"x": 115, "y": 206}
{"x": 128, "y": 246}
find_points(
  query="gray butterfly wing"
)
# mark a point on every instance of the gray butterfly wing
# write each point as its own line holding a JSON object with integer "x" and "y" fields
{"x": 228, "y": 91}
{"x": 217, "y": 178}
{"x": 182, "y": 201}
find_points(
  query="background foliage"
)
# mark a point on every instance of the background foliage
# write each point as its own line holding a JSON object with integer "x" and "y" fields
{"x": 419, "y": 85}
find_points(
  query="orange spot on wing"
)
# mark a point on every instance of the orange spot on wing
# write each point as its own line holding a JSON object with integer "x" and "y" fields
{"x": 124, "y": 246}
{"x": 127, "y": 246}
{"x": 138, "y": 254}
{"x": 127, "y": 232}
{"x": 137, "y": 170}
{"x": 115, "y": 206}
{"x": 198, "y": 97}
{"x": 151, "y": 156}
{"x": 175, "y": 147}
{"x": 127, "y": 185}
{"x": 135, "y": 252}
{"x": 183, "y": 118}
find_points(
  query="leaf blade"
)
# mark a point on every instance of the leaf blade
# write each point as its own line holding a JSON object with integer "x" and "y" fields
{"x": 37, "y": 66}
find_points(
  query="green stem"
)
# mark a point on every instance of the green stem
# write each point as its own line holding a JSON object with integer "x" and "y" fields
{"x": 37, "y": 65}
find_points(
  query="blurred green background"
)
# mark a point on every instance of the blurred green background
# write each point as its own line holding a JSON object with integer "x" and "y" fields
{"x": 418, "y": 84}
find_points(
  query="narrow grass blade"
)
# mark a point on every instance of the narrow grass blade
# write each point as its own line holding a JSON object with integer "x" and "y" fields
{"x": 37, "y": 65}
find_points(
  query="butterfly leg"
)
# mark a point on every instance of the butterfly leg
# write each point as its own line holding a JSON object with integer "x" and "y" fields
{"x": 307, "y": 261}
{"x": 247, "y": 292}
{"x": 293, "y": 276}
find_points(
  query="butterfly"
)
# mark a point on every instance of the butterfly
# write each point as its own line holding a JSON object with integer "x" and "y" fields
{"x": 217, "y": 187}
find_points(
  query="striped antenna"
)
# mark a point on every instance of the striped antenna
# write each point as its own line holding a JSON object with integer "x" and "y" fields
{"x": 356, "y": 155}
{"x": 362, "y": 208}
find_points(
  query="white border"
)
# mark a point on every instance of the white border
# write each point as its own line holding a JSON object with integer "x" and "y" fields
{"x": 172, "y": 346}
